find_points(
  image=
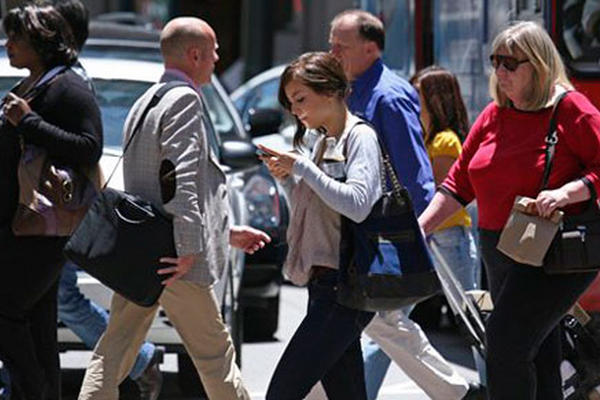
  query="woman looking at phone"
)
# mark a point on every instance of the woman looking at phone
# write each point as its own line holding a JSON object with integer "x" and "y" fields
{"x": 341, "y": 177}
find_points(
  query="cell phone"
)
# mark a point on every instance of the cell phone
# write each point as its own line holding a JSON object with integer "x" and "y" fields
{"x": 262, "y": 153}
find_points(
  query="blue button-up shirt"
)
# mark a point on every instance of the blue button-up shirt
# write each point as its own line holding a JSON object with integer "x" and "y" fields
{"x": 391, "y": 105}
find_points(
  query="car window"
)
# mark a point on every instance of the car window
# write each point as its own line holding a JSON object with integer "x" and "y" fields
{"x": 262, "y": 96}
{"x": 116, "y": 97}
{"x": 219, "y": 114}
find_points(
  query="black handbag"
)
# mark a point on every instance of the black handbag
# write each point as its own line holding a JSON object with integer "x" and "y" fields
{"x": 122, "y": 237}
{"x": 576, "y": 246}
{"x": 385, "y": 263}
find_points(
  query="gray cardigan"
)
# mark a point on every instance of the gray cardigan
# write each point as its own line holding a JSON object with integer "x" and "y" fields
{"x": 318, "y": 198}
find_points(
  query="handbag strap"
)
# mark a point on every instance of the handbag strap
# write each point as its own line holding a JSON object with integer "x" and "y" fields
{"x": 153, "y": 102}
{"x": 551, "y": 140}
{"x": 387, "y": 170}
{"x": 388, "y": 174}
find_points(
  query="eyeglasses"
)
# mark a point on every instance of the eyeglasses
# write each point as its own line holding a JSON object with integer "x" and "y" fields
{"x": 510, "y": 63}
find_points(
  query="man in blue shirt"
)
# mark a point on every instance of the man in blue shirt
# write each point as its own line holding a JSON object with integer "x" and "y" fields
{"x": 391, "y": 104}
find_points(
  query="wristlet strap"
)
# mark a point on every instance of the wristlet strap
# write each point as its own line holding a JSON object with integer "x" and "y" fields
{"x": 153, "y": 102}
{"x": 551, "y": 140}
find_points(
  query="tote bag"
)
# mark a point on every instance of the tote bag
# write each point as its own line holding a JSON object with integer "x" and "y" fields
{"x": 122, "y": 237}
{"x": 385, "y": 263}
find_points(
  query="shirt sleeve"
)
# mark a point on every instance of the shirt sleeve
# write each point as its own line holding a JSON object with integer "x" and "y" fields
{"x": 396, "y": 119}
{"x": 355, "y": 197}
{"x": 584, "y": 141}
{"x": 75, "y": 135}
{"x": 183, "y": 143}
{"x": 445, "y": 143}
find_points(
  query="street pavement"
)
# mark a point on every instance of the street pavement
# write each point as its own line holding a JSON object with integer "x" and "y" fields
{"x": 260, "y": 358}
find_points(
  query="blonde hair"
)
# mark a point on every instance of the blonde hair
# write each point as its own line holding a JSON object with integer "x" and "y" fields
{"x": 534, "y": 42}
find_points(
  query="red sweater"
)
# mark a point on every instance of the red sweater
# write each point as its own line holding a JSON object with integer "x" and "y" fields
{"x": 503, "y": 156}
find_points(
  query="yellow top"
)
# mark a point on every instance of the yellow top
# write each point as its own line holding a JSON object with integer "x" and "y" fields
{"x": 447, "y": 143}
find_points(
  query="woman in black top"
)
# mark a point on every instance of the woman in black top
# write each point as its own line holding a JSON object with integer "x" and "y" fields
{"x": 53, "y": 109}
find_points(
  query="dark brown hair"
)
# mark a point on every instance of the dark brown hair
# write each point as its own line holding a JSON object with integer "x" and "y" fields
{"x": 319, "y": 71}
{"x": 78, "y": 17}
{"x": 46, "y": 30}
{"x": 440, "y": 92}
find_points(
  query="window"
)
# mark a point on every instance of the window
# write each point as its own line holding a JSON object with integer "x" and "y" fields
{"x": 116, "y": 97}
{"x": 459, "y": 47}
{"x": 398, "y": 17}
{"x": 262, "y": 96}
{"x": 579, "y": 36}
{"x": 219, "y": 114}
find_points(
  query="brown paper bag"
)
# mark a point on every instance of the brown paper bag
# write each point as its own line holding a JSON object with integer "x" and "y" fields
{"x": 526, "y": 236}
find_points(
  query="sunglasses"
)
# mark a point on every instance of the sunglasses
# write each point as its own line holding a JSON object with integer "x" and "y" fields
{"x": 510, "y": 63}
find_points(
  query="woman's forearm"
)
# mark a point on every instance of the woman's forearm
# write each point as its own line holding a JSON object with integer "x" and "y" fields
{"x": 441, "y": 207}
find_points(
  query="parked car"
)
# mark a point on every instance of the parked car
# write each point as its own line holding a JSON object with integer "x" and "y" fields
{"x": 263, "y": 117}
{"x": 119, "y": 79}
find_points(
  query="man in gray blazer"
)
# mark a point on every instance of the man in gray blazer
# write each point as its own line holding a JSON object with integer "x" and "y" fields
{"x": 172, "y": 142}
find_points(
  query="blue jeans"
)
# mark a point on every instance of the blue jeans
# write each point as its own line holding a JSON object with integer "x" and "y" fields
{"x": 457, "y": 245}
{"x": 88, "y": 320}
{"x": 325, "y": 347}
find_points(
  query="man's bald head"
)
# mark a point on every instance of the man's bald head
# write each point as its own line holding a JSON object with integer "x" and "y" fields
{"x": 190, "y": 45}
{"x": 181, "y": 33}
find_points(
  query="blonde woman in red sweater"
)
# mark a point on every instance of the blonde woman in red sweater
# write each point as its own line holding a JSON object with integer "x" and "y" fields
{"x": 503, "y": 157}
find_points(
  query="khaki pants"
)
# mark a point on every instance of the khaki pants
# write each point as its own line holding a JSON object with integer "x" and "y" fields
{"x": 194, "y": 312}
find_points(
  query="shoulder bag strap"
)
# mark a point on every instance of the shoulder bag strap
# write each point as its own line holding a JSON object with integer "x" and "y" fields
{"x": 387, "y": 170}
{"x": 153, "y": 102}
{"x": 388, "y": 174}
{"x": 551, "y": 140}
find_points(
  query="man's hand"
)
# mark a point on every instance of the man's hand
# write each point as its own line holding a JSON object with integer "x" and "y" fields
{"x": 181, "y": 265}
{"x": 248, "y": 238}
{"x": 15, "y": 108}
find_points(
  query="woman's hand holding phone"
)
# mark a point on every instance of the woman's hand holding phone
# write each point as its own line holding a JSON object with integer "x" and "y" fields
{"x": 280, "y": 164}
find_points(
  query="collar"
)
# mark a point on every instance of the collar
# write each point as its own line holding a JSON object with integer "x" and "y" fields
{"x": 50, "y": 74}
{"x": 367, "y": 78}
{"x": 173, "y": 74}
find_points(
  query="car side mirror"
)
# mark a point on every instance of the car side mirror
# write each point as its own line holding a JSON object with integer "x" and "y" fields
{"x": 238, "y": 154}
{"x": 264, "y": 121}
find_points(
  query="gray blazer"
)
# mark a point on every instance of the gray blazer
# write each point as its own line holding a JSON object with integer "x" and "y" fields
{"x": 173, "y": 132}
